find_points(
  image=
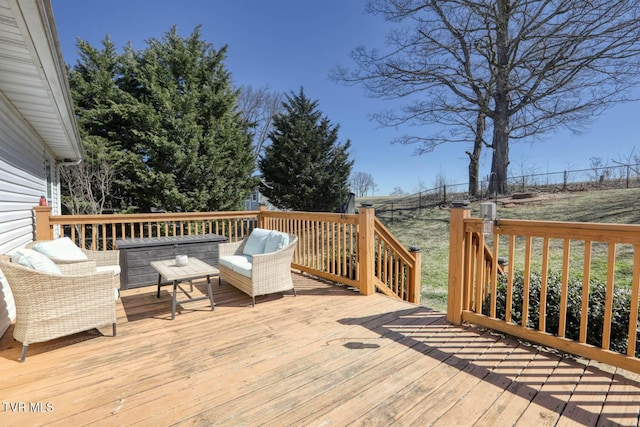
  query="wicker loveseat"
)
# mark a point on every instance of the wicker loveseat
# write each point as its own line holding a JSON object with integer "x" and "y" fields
{"x": 52, "y": 305}
{"x": 260, "y": 264}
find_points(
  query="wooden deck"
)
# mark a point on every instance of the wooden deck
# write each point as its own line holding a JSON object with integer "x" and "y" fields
{"x": 326, "y": 357}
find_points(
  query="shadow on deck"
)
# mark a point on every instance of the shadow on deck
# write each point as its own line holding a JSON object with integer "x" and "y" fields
{"x": 326, "y": 357}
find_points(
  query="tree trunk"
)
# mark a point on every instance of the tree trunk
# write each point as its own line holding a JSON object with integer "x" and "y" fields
{"x": 474, "y": 158}
{"x": 501, "y": 114}
{"x": 500, "y": 160}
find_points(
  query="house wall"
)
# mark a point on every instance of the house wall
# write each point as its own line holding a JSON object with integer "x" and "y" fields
{"x": 23, "y": 162}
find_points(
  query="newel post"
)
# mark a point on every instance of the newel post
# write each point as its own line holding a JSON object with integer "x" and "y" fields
{"x": 416, "y": 278}
{"x": 262, "y": 220}
{"x": 366, "y": 245}
{"x": 43, "y": 228}
{"x": 459, "y": 212}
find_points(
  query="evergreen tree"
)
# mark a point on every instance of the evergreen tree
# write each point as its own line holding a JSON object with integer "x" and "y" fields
{"x": 98, "y": 183}
{"x": 171, "y": 115}
{"x": 304, "y": 168}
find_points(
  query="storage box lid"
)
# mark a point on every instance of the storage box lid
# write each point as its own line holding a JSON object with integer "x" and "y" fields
{"x": 168, "y": 241}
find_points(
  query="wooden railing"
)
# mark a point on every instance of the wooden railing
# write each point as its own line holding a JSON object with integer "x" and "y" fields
{"x": 532, "y": 300}
{"x": 100, "y": 232}
{"x": 352, "y": 249}
{"x": 356, "y": 250}
{"x": 397, "y": 269}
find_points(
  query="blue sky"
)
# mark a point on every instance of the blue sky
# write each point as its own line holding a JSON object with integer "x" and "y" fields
{"x": 286, "y": 44}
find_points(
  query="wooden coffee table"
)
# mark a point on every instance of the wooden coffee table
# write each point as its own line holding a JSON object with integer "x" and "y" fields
{"x": 195, "y": 269}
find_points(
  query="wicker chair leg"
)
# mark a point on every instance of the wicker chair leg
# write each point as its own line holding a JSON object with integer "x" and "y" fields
{"x": 24, "y": 352}
{"x": 254, "y": 300}
{"x": 114, "y": 329}
{"x": 294, "y": 292}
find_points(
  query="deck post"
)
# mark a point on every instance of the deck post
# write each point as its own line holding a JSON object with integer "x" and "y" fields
{"x": 416, "y": 283}
{"x": 459, "y": 212}
{"x": 262, "y": 220}
{"x": 43, "y": 228}
{"x": 366, "y": 246}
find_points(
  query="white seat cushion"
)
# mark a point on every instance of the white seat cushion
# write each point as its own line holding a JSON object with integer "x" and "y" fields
{"x": 115, "y": 269}
{"x": 238, "y": 263}
{"x": 62, "y": 248}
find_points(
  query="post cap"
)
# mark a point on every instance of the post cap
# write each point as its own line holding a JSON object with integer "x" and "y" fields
{"x": 415, "y": 249}
{"x": 460, "y": 203}
{"x": 366, "y": 205}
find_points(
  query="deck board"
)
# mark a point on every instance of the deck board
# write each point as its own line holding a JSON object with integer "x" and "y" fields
{"x": 328, "y": 356}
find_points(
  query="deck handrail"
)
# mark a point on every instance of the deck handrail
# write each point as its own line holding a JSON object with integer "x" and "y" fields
{"x": 352, "y": 249}
{"x": 397, "y": 268}
{"x": 473, "y": 288}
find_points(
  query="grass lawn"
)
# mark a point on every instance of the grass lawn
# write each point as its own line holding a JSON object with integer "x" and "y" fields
{"x": 429, "y": 229}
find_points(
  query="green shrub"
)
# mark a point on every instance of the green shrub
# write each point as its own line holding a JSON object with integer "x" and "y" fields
{"x": 597, "y": 298}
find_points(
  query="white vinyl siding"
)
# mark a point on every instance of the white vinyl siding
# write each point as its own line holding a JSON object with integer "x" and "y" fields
{"x": 22, "y": 182}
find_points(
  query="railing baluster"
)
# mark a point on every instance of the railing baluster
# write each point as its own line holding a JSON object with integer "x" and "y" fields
{"x": 564, "y": 292}
{"x": 494, "y": 275}
{"x": 527, "y": 281}
{"x": 512, "y": 267}
{"x": 82, "y": 237}
{"x": 468, "y": 272}
{"x": 635, "y": 292}
{"x": 586, "y": 278}
{"x": 543, "y": 285}
{"x": 480, "y": 279}
{"x": 608, "y": 306}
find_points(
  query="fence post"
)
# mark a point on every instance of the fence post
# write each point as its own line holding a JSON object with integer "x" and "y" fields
{"x": 564, "y": 185}
{"x": 391, "y": 213}
{"x": 458, "y": 213}
{"x": 43, "y": 228}
{"x": 366, "y": 246}
{"x": 416, "y": 282}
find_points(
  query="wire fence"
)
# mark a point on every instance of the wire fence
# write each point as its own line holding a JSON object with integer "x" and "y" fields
{"x": 596, "y": 178}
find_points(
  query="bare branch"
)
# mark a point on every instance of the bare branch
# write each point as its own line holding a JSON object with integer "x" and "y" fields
{"x": 530, "y": 66}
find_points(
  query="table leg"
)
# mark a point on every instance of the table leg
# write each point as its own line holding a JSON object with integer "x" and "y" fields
{"x": 173, "y": 305}
{"x": 159, "y": 279}
{"x": 210, "y": 292}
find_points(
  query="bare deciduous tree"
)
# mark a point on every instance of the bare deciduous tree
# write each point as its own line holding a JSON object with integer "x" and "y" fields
{"x": 258, "y": 107}
{"x": 397, "y": 191}
{"x": 361, "y": 183}
{"x": 88, "y": 184}
{"x": 530, "y": 66}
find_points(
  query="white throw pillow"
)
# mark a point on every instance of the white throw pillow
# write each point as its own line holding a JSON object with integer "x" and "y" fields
{"x": 63, "y": 249}
{"x": 35, "y": 260}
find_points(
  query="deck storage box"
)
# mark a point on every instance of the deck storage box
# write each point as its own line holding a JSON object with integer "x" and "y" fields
{"x": 137, "y": 254}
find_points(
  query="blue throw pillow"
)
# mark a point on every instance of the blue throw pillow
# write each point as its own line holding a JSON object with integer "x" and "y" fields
{"x": 256, "y": 241}
{"x": 35, "y": 260}
{"x": 276, "y": 241}
{"x": 62, "y": 248}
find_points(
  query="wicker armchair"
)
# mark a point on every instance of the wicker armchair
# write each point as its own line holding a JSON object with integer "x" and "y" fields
{"x": 270, "y": 272}
{"x": 101, "y": 258}
{"x": 50, "y": 306}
